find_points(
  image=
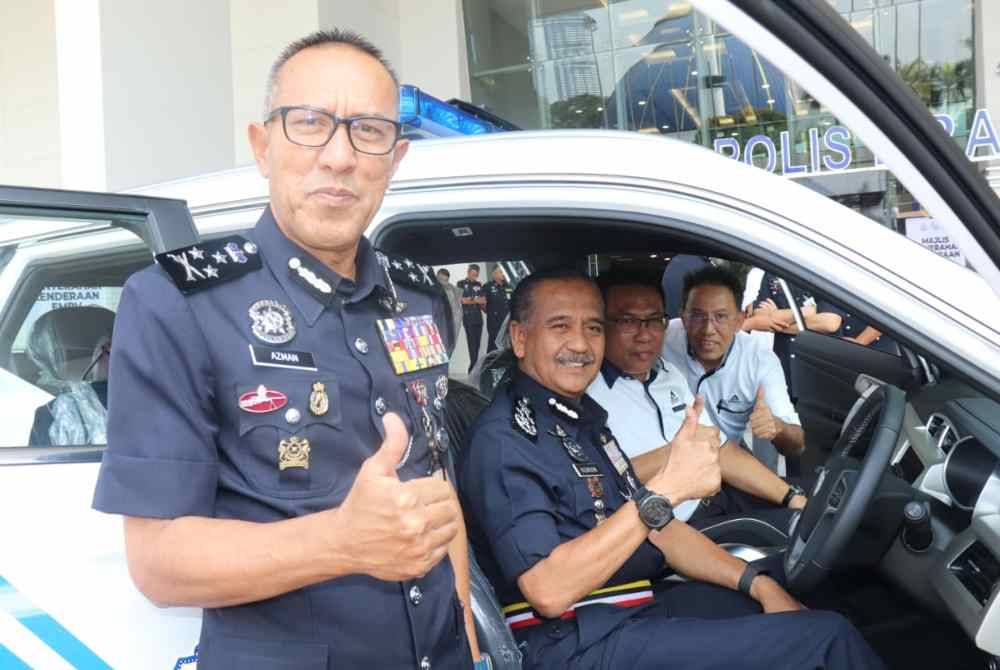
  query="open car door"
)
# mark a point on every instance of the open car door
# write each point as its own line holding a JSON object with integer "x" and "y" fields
{"x": 814, "y": 46}
{"x": 65, "y": 593}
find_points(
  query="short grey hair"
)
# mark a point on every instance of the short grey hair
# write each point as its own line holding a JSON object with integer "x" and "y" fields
{"x": 318, "y": 39}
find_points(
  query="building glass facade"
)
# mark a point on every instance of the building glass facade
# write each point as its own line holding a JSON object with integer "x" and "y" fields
{"x": 659, "y": 67}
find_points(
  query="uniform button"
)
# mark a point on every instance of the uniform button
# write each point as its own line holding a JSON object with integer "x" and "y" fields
{"x": 425, "y": 663}
{"x": 293, "y": 416}
{"x": 416, "y": 595}
{"x": 380, "y": 406}
{"x": 250, "y": 248}
{"x": 361, "y": 345}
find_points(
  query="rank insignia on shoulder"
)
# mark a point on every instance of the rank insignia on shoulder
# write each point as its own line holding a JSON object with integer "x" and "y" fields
{"x": 210, "y": 263}
{"x": 524, "y": 418}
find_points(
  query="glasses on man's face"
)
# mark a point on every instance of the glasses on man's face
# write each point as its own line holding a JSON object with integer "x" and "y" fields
{"x": 630, "y": 325}
{"x": 700, "y": 319}
{"x": 310, "y": 127}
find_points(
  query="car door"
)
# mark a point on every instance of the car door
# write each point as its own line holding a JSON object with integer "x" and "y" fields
{"x": 817, "y": 48}
{"x": 66, "y": 599}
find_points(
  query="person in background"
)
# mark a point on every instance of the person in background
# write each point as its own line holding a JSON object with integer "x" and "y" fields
{"x": 498, "y": 293}
{"x": 473, "y": 302}
{"x": 454, "y": 298}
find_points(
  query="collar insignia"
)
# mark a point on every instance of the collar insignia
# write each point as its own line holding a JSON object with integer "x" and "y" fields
{"x": 563, "y": 409}
{"x": 524, "y": 418}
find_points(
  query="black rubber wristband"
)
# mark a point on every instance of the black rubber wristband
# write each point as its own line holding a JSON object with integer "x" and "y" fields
{"x": 747, "y": 578}
{"x": 792, "y": 492}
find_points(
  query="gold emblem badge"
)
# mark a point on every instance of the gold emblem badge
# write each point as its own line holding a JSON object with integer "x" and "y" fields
{"x": 319, "y": 402}
{"x": 293, "y": 453}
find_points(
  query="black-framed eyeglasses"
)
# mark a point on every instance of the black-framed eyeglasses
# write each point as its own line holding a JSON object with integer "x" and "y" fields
{"x": 632, "y": 324}
{"x": 310, "y": 127}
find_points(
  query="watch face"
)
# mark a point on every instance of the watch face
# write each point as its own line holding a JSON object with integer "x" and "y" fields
{"x": 656, "y": 511}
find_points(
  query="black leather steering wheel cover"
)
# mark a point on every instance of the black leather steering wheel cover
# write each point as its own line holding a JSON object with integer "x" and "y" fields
{"x": 808, "y": 561}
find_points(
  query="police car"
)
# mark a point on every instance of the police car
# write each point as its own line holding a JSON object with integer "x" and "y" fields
{"x": 922, "y": 426}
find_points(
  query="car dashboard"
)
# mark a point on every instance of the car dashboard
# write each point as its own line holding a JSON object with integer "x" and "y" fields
{"x": 950, "y": 452}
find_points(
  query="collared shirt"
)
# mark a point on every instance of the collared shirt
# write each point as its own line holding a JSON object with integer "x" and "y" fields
{"x": 730, "y": 390}
{"x": 645, "y": 415}
{"x": 523, "y": 498}
{"x": 182, "y": 442}
{"x": 471, "y": 313}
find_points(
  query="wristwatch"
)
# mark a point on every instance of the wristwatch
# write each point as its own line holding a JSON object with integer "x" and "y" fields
{"x": 793, "y": 490}
{"x": 654, "y": 510}
{"x": 749, "y": 573}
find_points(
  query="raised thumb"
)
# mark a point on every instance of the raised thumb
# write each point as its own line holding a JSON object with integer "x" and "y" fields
{"x": 760, "y": 394}
{"x": 393, "y": 447}
{"x": 690, "y": 425}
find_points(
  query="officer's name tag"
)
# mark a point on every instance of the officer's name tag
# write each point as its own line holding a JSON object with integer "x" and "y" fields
{"x": 413, "y": 343}
{"x": 584, "y": 470}
{"x": 282, "y": 358}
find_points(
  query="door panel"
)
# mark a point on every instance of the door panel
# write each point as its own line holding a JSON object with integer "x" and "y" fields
{"x": 824, "y": 370}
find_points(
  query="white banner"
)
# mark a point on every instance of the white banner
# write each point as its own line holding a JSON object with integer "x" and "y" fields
{"x": 927, "y": 232}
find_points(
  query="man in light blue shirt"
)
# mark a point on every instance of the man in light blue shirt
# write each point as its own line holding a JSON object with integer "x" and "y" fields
{"x": 743, "y": 383}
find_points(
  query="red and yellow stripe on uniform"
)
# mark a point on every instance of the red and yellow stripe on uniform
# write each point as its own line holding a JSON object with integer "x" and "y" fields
{"x": 520, "y": 615}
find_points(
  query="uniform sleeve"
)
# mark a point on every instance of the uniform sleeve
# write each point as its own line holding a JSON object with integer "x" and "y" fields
{"x": 772, "y": 378}
{"x": 510, "y": 497}
{"x": 161, "y": 460}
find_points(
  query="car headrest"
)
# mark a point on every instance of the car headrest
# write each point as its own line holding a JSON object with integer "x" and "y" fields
{"x": 62, "y": 342}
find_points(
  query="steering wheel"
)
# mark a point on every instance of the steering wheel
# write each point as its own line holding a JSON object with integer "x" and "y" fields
{"x": 844, "y": 489}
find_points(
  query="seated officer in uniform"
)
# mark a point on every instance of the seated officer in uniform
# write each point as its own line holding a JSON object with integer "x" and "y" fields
{"x": 743, "y": 383}
{"x": 646, "y": 399}
{"x": 570, "y": 539}
{"x": 276, "y": 407}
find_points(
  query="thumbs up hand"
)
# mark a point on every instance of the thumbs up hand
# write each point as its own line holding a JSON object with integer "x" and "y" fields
{"x": 692, "y": 467}
{"x": 395, "y": 530}
{"x": 762, "y": 422}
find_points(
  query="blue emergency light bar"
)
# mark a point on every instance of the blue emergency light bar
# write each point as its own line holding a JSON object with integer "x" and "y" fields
{"x": 436, "y": 117}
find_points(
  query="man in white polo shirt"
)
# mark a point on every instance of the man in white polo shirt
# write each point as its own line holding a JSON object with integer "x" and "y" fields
{"x": 646, "y": 399}
{"x": 743, "y": 383}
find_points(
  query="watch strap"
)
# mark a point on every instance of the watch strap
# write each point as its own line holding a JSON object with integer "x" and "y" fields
{"x": 793, "y": 491}
{"x": 749, "y": 573}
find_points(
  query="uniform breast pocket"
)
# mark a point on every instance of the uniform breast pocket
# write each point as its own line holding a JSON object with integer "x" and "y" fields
{"x": 288, "y": 440}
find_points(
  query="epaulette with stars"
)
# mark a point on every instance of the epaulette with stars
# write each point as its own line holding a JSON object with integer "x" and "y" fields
{"x": 210, "y": 263}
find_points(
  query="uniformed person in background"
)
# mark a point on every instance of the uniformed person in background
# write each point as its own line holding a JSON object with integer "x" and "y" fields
{"x": 276, "y": 407}
{"x": 498, "y": 293}
{"x": 454, "y": 298}
{"x": 571, "y": 540}
{"x": 771, "y": 313}
{"x": 473, "y": 302}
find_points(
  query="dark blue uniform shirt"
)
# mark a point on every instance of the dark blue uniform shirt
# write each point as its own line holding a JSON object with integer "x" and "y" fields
{"x": 190, "y": 433}
{"x": 522, "y": 498}
{"x": 497, "y": 301}
{"x": 471, "y": 313}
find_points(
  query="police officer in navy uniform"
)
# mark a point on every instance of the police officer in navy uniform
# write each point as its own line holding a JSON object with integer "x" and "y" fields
{"x": 473, "y": 302}
{"x": 572, "y": 542}
{"x": 276, "y": 410}
{"x": 498, "y": 293}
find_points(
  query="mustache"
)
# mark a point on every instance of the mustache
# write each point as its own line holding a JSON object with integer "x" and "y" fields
{"x": 575, "y": 359}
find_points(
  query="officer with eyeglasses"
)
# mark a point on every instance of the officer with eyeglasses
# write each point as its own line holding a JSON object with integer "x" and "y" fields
{"x": 276, "y": 428}
{"x": 743, "y": 383}
{"x": 646, "y": 399}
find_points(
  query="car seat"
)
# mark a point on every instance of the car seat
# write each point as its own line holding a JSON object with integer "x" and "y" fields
{"x": 464, "y": 405}
{"x": 68, "y": 344}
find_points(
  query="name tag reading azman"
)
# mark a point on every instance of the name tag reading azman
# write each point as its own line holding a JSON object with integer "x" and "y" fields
{"x": 413, "y": 343}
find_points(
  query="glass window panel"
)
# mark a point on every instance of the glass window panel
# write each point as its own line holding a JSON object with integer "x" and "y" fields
{"x": 646, "y": 22}
{"x": 574, "y": 91}
{"x": 497, "y": 33}
{"x": 511, "y": 95}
